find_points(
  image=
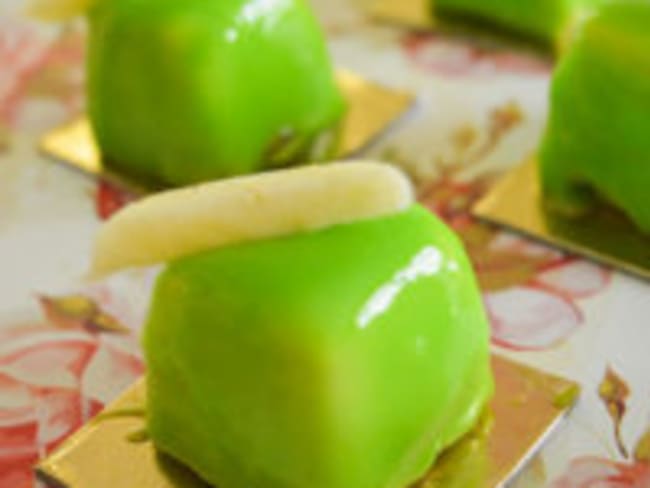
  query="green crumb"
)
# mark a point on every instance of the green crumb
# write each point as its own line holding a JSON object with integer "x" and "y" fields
{"x": 567, "y": 397}
{"x": 140, "y": 412}
{"x": 138, "y": 436}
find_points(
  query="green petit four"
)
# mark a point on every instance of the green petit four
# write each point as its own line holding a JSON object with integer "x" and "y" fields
{"x": 186, "y": 91}
{"x": 334, "y": 338}
{"x": 596, "y": 147}
{"x": 349, "y": 357}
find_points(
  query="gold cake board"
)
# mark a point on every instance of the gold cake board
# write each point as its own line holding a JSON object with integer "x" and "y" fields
{"x": 605, "y": 236}
{"x": 109, "y": 452}
{"x": 372, "y": 110}
{"x": 414, "y": 14}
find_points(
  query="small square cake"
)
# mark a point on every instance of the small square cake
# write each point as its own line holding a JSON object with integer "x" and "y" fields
{"x": 314, "y": 328}
{"x": 596, "y": 146}
{"x": 349, "y": 357}
{"x": 184, "y": 91}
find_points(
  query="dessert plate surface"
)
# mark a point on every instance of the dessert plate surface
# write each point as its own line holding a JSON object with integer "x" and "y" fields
{"x": 372, "y": 110}
{"x": 112, "y": 450}
{"x": 604, "y": 236}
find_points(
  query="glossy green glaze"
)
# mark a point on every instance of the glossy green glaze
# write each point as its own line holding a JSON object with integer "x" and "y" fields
{"x": 596, "y": 145}
{"x": 344, "y": 358}
{"x": 544, "y": 20}
{"x": 193, "y": 90}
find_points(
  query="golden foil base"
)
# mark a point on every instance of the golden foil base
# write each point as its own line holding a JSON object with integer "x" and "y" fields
{"x": 605, "y": 236}
{"x": 414, "y": 14}
{"x": 110, "y": 451}
{"x": 372, "y": 109}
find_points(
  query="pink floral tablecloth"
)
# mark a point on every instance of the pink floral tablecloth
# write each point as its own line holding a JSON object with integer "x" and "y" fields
{"x": 69, "y": 347}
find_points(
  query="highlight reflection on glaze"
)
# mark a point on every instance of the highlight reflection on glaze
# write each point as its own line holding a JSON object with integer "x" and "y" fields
{"x": 258, "y": 9}
{"x": 427, "y": 262}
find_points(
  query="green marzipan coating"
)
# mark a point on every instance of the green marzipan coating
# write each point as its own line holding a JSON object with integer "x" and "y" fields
{"x": 344, "y": 358}
{"x": 596, "y": 144}
{"x": 182, "y": 92}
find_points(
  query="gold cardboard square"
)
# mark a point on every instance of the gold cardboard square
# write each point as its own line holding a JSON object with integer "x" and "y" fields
{"x": 528, "y": 404}
{"x": 372, "y": 109}
{"x": 414, "y": 14}
{"x": 605, "y": 235}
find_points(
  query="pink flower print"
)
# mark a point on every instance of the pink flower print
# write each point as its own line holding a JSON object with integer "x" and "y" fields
{"x": 113, "y": 368}
{"x": 36, "y": 363}
{"x": 513, "y": 244}
{"x": 40, "y": 71}
{"x": 125, "y": 296}
{"x": 18, "y": 432}
{"x": 47, "y": 390}
{"x": 531, "y": 291}
{"x": 593, "y": 472}
{"x": 109, "y": 198}
{"x": 447, "y": 56}
{"x": 21, "y": 51}
{"x": 40, "y": 402}
{"x": 574, "y": 278}
{"x": 542, "y": 312}
{"x": 529, "y": 318}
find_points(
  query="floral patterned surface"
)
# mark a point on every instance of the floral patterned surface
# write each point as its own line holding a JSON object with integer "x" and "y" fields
{"x": 68, "y": 347}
